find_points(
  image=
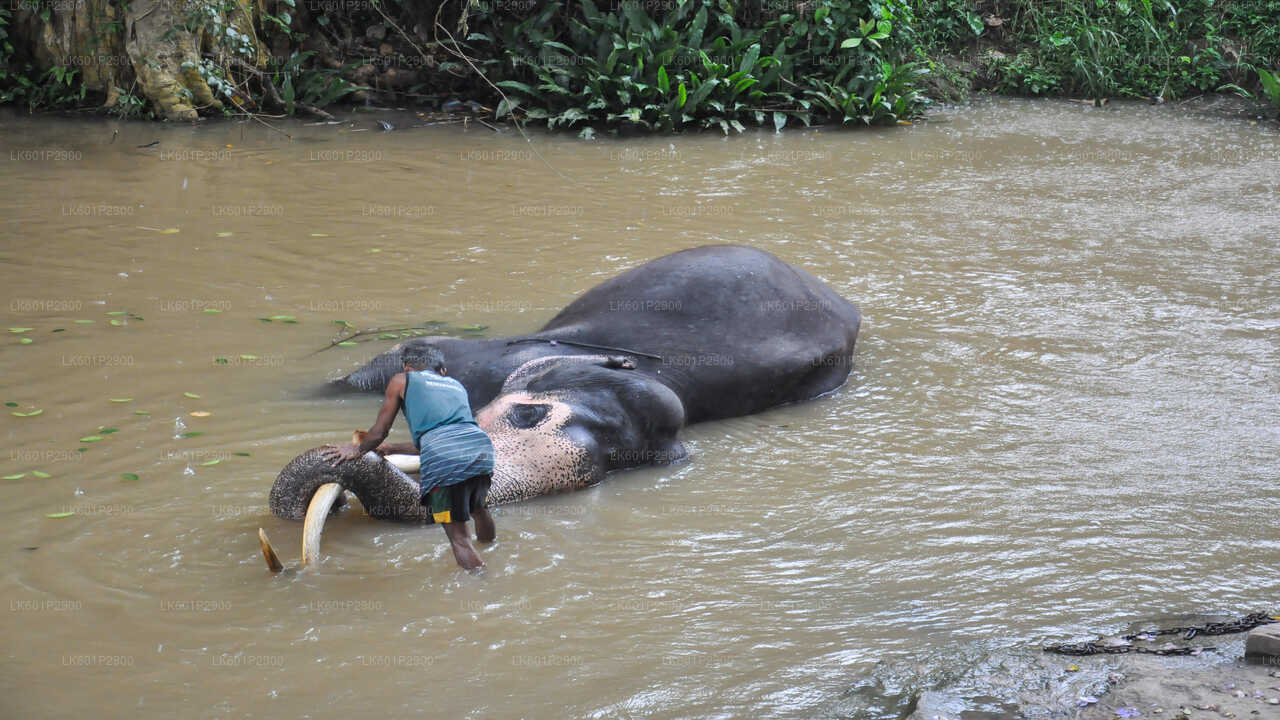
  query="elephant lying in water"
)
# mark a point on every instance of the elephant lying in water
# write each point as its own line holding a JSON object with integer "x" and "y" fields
{"x": 707, "y": 333}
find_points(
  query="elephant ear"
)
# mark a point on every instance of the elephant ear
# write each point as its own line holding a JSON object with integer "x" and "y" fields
{"x": 530, "y": 372}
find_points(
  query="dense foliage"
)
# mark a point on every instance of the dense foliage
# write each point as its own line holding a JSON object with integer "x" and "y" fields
{"x": 648, "y": 65}
{"x": 700, "y": 64}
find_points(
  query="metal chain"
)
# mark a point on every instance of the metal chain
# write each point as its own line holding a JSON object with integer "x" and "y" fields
{"x": 1246, "y": 623}
{"x": 1095, "y": 649}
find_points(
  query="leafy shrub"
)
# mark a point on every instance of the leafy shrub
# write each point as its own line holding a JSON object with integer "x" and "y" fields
{"x": 1270, "y": 85}
{"x": 698, "y": 66}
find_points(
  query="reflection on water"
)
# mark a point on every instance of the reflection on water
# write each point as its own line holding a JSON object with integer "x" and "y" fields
{"x": 1062, "y": 416}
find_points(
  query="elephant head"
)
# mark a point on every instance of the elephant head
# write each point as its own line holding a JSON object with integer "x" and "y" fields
{"x": 562, "y": 422}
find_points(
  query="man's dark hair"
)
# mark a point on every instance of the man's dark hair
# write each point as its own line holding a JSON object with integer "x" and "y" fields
{"x": 422, "y": 357}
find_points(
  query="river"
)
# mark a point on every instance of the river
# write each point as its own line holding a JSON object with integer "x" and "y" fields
{"x": 1063, "y": 415}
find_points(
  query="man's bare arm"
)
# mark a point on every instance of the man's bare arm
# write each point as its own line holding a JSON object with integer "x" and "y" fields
{"x": 387, "y": 448}
{"x": 381, "y": 426}
{"x": 386, "y": 415}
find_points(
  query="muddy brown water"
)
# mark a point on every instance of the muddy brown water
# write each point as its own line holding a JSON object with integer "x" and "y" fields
{"x": 1062, "y": 417}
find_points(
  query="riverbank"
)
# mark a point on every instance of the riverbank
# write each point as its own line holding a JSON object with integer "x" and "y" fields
{"x": 1025, "y": 682}
{"x": 1134, "y": 49}
{"x": 638, "y": 65}
{"x": 1152, "y": 686}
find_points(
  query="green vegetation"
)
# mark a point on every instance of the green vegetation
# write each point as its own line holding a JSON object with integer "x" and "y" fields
{"x": 55, "y": 87}
{"x": 1103, "y": 48}
{"x": 702, "y": 64}
{"x": 1271, "y": 85}
{"x": 632, "y": 65}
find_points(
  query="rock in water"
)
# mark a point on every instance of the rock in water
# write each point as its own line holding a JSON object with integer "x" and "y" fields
{"x": 1263, "y": 643}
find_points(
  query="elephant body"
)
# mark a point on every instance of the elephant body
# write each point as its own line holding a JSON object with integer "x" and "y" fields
{"x": 706, "y": 333}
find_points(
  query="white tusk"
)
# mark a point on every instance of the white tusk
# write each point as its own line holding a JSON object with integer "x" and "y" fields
{"x": 406, "y": 463}
{"x": 321, "y": 503}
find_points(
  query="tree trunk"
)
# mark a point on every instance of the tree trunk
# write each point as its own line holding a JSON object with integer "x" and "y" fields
{"x": 155, "y": 48}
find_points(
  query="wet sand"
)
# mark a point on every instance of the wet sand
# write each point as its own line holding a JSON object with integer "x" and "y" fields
{"x": 1155, "y": 687}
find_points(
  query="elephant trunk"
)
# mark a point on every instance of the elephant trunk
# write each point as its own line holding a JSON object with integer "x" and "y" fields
{"x": 384, "y": 490}
{"x": 309, "y": 487}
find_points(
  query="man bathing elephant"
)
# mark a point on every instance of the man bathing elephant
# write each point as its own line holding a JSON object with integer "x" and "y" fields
{"x": 455, "y": 455}
{"x": 707, "y": 333}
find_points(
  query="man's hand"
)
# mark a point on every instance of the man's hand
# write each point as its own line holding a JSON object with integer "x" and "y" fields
{"x": 338, "y": 454}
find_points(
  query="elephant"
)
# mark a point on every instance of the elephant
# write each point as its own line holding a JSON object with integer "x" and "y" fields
{"x": 706, "y": 333}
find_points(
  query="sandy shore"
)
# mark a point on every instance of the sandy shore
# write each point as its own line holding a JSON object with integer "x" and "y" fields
{"x": 1160, "y": 688}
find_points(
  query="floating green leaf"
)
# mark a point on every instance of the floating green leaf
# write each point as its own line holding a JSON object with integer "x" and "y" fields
{"x": 248, "y": 357}
{"x": 347, "y": 343}
{"x": 343, "y": 323}
{"x": 242, "y": 454}
{"x": 91, "y": 438}
{"x": 141, "y": 412}
{"x": 59, "y": 515}
{"x": 473, "y": 328}
{"x": 193, "y": 433}
{"x": 26, "y": 341}
{"x": 11, "y": 404}
{"x": 191, "y": 395}
{"x": 83, "y": 322}
{"x": 319, "y": 234}
{"x": 221, "y": 361}
{"x": 17, "y": 476}
{"x": 120, "y": 400}
{"x": 265, "y": 319}
{"x": 41, "y": 474}
{"x": 224, "y": 234}
{"x": 33, "y": 413}
{"x": 283, "y": 317}
{"x": 107, "y": 430}
{"x": 211, "y": 311}
{"x": 129, "y": 476}
{"x": 117, "y": 323}
{"x": 19, "y": 331}
{"x": 58, "y": 330}
{"x": 118, "y": 312}
{"x": 388, "y": 336}
{"x": 207, "y": 463}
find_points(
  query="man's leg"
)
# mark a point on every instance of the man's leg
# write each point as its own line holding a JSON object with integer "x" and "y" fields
{"x": 449, "y": 508}
{"x": 463, "y": 551}
{"x": 485, "y": 531}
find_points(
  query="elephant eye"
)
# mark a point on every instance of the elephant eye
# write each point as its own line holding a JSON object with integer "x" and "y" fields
{"x": 526, "y": 416}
